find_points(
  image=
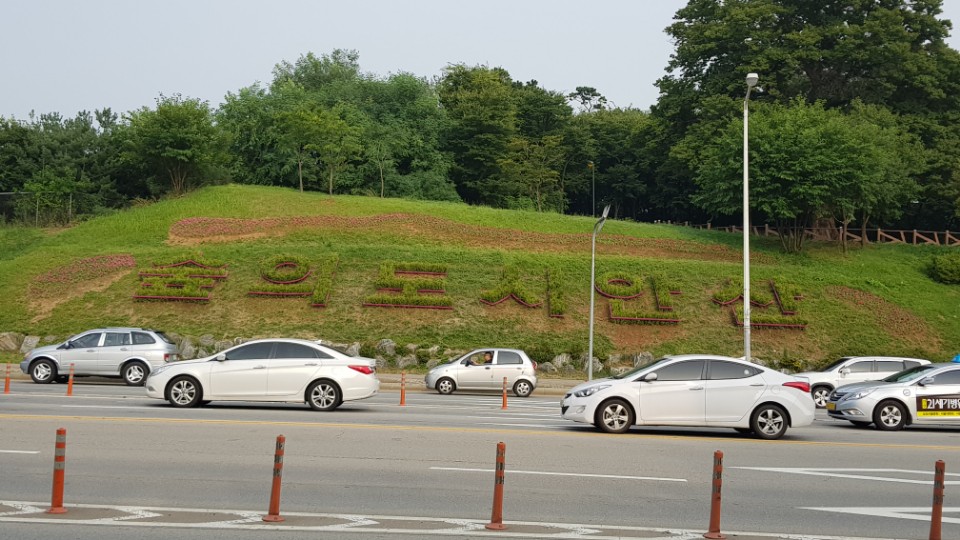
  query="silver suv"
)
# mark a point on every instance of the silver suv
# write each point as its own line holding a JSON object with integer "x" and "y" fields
{"x": 485, "y": 369}
{"x": 130, "y": 353}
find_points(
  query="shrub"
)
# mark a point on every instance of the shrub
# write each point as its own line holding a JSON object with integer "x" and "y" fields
{"x": 633, "y": 310}
{"x": 409, "y": 300}
{"x": 620, "y": 284}
{"x": 946, "y": 268}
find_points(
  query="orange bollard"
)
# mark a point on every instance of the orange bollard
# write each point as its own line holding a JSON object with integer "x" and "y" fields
{"x": 59, "y": 462}
{"x": 496, "y": 518}
{"x": 504, "y": 406}
{"x": 714, "y": 531}
{"x": 273, "y": 513}
{"x": 6, "y": 381}
{"x": 936, "y": 516}
{"x": 403, "y": 388}
{"x": 70, "y": 382}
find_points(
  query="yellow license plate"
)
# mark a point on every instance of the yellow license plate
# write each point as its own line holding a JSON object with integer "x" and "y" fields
{"x": 831, "y": 406}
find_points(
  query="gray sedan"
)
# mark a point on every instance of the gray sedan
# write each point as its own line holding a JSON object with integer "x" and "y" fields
{"x": 927, "y": 394}
{"x": 485, "y": 369}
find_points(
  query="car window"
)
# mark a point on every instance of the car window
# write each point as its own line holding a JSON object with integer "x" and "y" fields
{"x": 947, "y": 377}
{"x": 688, "y": 370}
{"x": 865, "y": 366}
{"x": 139, "y": 338}
{"x": 254, "y": 351}
{"x": 508, "y": 357}
{"x": 910, "y": 364}
{"x": 911, "y": 374}
{"x": 293, "y": 350}
{"x": 116, "y": 339}
{"x": 835, "y": 365}
{"x": 890, "y": 365}
{"x": 477, "y": 358}
{"x": 163, "y": 337}
{"x": 721, "y": 370}
{"x": 89, "y": 340}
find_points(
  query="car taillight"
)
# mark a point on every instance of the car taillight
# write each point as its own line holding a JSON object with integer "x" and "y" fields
{"x": 366, "y": 370}
{"x": 799, "y": 385}
{"x": 534, "y": 366}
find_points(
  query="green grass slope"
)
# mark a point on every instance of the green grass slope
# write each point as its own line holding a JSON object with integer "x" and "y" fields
{"x": 877, "y": 300}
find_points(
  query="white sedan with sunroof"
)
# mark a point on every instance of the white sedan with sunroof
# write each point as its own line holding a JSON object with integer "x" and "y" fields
{"x": 694, "y": 390}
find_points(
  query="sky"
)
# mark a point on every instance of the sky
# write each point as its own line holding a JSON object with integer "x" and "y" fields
{"x": 66, "y": 56}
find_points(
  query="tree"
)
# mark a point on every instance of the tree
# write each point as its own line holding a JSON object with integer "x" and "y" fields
{"x": 339, "y": 140}
{"x": 177, "y": 139}
{"x": 588, "y": 98}
{"x": 533, "y": 166}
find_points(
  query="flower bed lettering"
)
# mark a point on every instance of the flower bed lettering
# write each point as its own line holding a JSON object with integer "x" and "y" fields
{"x": 630, "y": 309}
{"x": 524, "y": 289}
{"x": 411, "y": 285}
{"x": 619, "y": 284}
{"x": 186, "y": 279}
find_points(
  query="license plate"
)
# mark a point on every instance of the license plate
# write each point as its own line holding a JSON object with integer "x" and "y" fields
{"x": 831, "y": 406}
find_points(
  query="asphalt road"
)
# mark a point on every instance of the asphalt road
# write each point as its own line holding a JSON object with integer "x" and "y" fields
{"x": 433, "y": 460}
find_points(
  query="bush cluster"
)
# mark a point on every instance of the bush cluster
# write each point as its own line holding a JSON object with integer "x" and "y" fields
{"x": 946, "y": 268}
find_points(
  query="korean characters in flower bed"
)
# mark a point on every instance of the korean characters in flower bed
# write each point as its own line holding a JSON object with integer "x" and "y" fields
{"x": 410, "y": 285}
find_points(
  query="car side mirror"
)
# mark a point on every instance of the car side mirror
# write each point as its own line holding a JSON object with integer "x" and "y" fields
{"x": 649, "y": 377}
{"x": 925, "y": 381}
{"x": 220, "y": 357}
{"x": 844, "y": 372}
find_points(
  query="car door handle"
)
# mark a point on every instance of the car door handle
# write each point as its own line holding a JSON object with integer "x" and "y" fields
{"x": 758, "y": 384}
{"x": 696, "y": 388}
{"x": 91, "y": 350}
{"x": 123, "y": 348}
{"x": 488, "y": 367}
{"x": 311, "y": 364}
{"x": 259, "y": 367}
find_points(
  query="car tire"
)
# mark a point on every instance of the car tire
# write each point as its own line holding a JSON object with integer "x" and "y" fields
{"x": 614, "y": 416}
{"x": 522, "y": 388}
{"x": 135, "y": 373}
{"x": 446, "y": 386}
{"x": 43, "y": 371}
{"x": 820, "y": 395}
{"x": 769, "y": 422}
{"x": 890, "y": 415}
{"x": 323, "y": 395}
{"x": 184, "y": 392}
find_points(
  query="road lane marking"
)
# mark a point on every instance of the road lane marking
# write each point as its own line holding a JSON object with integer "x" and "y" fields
{"x": 516, "y": 417}
{"x": 19, "y": 451}
{"x": 125, "y": 407}
{"x": 847, "y": 473}
{"x": 546, "y": 473}
{"x": 918, "y": 513}
{"x": 574, "y": 430}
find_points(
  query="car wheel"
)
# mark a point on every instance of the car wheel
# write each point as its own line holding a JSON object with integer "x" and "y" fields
{"x": 743, "y": 430}
{"x": 860, "y": 424}
{"x": 446, "y": 386}
{"x": 43, "y": 372}
{"x": 184, "y": 392}
{"x": 890, "y": 416}
{"x": 614, "y": 416}
{"x": 323, "y": 396}
{"x": 135, "y": 373}
{"x": 522, "y": 388}
{"x": 821, "y": 395}
{"x": 769, "y": 422}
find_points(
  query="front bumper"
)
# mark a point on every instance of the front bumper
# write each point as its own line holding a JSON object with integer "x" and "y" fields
{"x": 856, "y": 410}
{"x": 576, "y": 409}
{"x": 25, "y": 367}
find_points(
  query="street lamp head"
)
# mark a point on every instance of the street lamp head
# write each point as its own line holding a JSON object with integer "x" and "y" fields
{"x": 589, "y": 164}
{"x": 752, "y": 80}
{"x": 606, "y": 210}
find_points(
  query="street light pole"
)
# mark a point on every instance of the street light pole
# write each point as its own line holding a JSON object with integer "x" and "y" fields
{"x": 752, "y": 79}
{"x": 593, "y": 190}
{"x": 593, "y": 266}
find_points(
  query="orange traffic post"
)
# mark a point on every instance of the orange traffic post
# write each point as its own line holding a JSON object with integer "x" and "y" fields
{"x": 70, "y": 382}
{"x": 936, "y": 516}
{"x": 714, "y": 531}
{"x": 273, "y": 513}
{"x": 403, "y": 388}
{"x": 59, "y": 462}
{"x": 6, "y": 381}
{"x": 504, "y": 393}
{"x": 496, "y": 518}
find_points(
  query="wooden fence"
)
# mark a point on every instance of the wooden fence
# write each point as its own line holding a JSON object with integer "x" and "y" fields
{"x": 875, "y": 235}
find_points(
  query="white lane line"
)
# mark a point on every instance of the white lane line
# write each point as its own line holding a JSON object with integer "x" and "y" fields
{"x": 19, "y": 451}
{"x": 916, "y": 513}
{"x": 128, "y": 407}
{"x": 845, "y": 473}
{"x": 583, "y": 475}
{"x": 517, "y": 417}
{"x": 543, "y": 426}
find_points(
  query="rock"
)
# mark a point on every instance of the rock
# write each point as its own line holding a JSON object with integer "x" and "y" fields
{"x": 174, "y": 337}
{"x": 434, "y": 363}
{"x": 561, "y": 360}
{"x": 187, "y": 349}
{"x": 240, "y": 340}
{"x": 619, "y": 370}
{"x": 407, "y": 361}
{"x": 223, "y": 345}
{"x": 353, "y": 349}
{"x": 643, "y": 359}
{"x": 50, "y": 339}
{"x": 412, "y": 347}
{"x": 10, "y": 341}
{"x": 381, "y": 362}
{"x": 547, "y": 367}
{"x": 433, "y": 351}
{"x": 29, "y": 343}
{"x": 613, "y": 359}
{"x": 387, "y": 346}
{"x": 597, "y": 365}
{"x": 342, "y": 347}
{"x": 203, "y": 353}
{"x": 207, "y": 340}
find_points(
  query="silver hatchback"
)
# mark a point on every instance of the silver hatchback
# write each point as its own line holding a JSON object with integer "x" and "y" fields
{"x": 485, "y": 369}
{"x": 129, "y": 353}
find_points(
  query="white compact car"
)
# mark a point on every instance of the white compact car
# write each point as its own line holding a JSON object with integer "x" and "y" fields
{"x": 854, "y": 369}
{"x": 694, "y": 390}
{"x": 283, "y": 370}
{"x": 485, "y": 369}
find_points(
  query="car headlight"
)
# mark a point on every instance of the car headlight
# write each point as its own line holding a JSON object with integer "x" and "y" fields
{"x": 159, "y": 370}
{"x": 591, "y": 390}
{"x": 860, "y": 394}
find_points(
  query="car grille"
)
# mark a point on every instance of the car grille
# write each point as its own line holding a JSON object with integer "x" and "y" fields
{"x": 563, "y": 410}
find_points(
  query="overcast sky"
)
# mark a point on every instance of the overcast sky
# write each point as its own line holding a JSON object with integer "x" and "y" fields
{"x": 70, "y": 55}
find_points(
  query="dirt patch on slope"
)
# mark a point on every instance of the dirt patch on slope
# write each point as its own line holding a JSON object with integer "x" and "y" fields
{"x": 898, "y": 322}
{"x": 42, "y": 302}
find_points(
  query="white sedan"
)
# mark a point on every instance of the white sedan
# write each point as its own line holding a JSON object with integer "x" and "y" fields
{"x": 694, "y": 390}
{"x": 279, "y": 370}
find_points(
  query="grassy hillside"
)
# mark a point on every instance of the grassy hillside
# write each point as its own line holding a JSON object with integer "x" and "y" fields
{"x": 873, "y": 301}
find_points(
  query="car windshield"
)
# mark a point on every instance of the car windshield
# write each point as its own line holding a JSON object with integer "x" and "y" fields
{"x": 640, "y": 368}
{"x": 911, "y": 374}
{"x": 834, "y": 365}
{"x": 163, "y": 336}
